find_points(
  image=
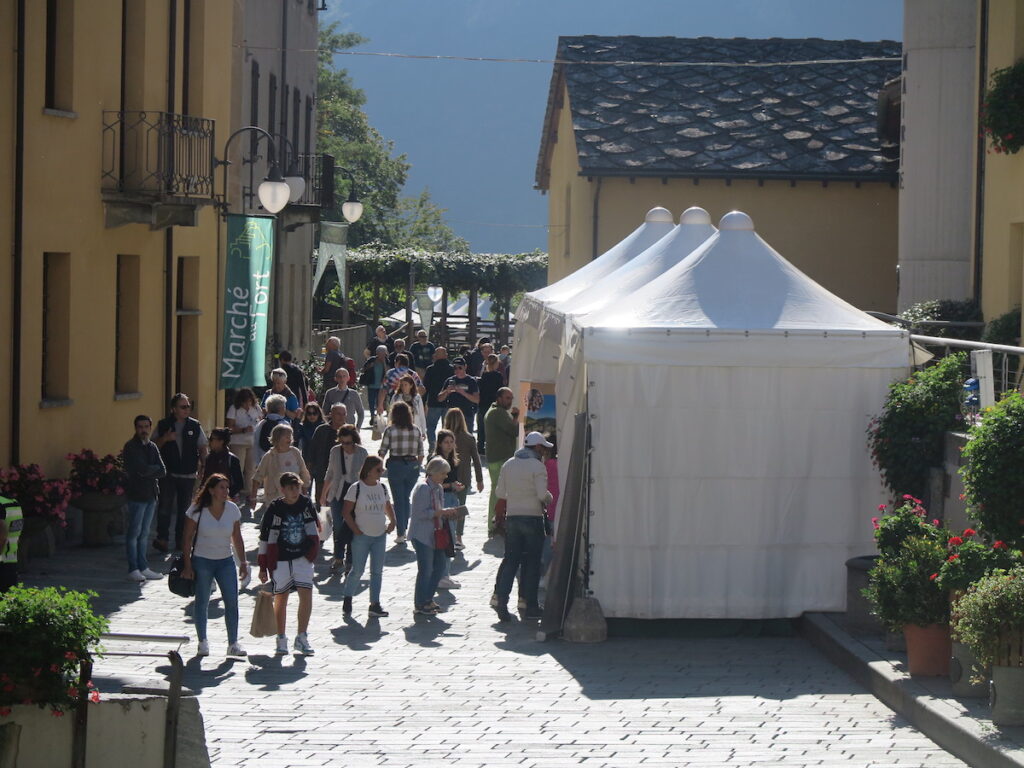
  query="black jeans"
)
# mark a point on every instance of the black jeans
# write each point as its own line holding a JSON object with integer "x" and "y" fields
{"x": 175, "y": 497}
{"x": 524, "y": 543}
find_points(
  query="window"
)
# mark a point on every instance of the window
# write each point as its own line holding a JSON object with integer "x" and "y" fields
{"x": 56, "y": 326}
{"x": 126, "y": 332}
{"x": 254, "y": 105}
{"x": 59, "y": 54}
{"x": 272, "y": 105}
{"x": 296, "y": 107}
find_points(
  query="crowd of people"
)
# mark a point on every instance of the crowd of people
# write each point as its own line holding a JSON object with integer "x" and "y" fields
{"x": 293, "y": 459}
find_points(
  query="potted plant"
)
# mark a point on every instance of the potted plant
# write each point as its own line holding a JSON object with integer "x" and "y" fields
{"x": 991, "y": 472}
{"x": 43, "y": 501}
{"x": 990, "y": 618}
{"x": 1002, "y": 112}
{"x": 902, "y": 586}
{"x": 46, "y": 634}
{"x": 969, "y": 559}
{"x": 97, "y": 488}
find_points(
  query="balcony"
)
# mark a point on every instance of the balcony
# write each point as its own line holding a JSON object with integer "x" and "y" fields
{"x": 158, "y": 168}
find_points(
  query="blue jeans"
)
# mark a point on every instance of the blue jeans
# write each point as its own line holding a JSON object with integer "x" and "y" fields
{"x": 338, "y": 520}
{"x": 372, "y": 393}
{"x": 524, "y": 540}
{"x": 450, "y": 500}
{"x": 430, "y": 564}
{"x": 434, "y": 415}
{"x": 140, "y": 518}
{"x": 402, "y": 477}
{"x": 223, "y": 571}
{"x": 362, "y": 547}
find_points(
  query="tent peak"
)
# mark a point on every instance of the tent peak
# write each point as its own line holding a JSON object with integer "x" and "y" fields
{"x": 695, "y": 215}
{"x": 659, "y": 214}
{"x": 736, "y": 221}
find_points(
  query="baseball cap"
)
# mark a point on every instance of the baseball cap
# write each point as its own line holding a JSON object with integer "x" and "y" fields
{"x": 459, "y": 361}
{"x": 536, "y": 438}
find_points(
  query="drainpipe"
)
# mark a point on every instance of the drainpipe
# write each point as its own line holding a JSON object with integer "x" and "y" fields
{"x": 979, "y": 192}
{"x": 16, "y": 255}
{"x": 596, "y": 216}
{"x": 172, "y": 50}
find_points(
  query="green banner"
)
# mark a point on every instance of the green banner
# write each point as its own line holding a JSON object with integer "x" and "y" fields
{"x": 246, "y": 300}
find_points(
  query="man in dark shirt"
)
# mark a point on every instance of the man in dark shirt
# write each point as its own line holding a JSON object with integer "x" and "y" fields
{"x": 434, "y": 380}
{"x": 380, "y": 337}
{"x": 399, "y": 349}
{"x": 463, "y": 392}
{"x": 296, "y": 378}
{"x": 475, "y": 360}
{"x": 422, "y": 351}
{"x": 143, "y": 467}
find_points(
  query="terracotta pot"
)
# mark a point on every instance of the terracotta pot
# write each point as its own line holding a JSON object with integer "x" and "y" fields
{"x": 928, "y": 649}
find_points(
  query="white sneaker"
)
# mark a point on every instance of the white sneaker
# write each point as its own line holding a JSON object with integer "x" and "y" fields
{"x": 136, "y": 575}
{"x": 448, "y": 584}
{"x": 302, "y": 645}
{"x": 494, "y": 599}
{"x": 236, "y": 649}
{"x": 282, "y": 646}
{"x": 152, "y": 575}
{"x": 400, "y": 539}
{"x": 204, "y": 648}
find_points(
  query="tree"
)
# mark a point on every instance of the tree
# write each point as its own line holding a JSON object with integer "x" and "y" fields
{"x": 421, "y": 224}
{"x": 344, "y": 131}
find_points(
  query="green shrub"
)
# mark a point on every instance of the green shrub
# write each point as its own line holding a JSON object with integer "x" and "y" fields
{"x": 1004, "y": 329}
{"x": 989, "y": 616}
{"x": 1002, "y": 112}
{"x": 992, "y": 470}
{"x": 970, "y": 558}
{"x": 906, "y": 440}
{"x": 949, "y": 310}
{"x": 902, "y": 588}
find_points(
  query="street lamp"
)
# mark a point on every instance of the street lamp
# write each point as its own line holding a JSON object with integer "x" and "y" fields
{"x": 274, "y": 191}
{"x": 292, "y": 176}
{"x": 351, "y": 209}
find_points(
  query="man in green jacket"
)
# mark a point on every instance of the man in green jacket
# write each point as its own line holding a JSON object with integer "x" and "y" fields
{"x": 502, "y": 429}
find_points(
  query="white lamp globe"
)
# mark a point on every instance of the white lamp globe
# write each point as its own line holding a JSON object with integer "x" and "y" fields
{"x": 296, "y": 185}
{"x": 352, "y": 210}
{"x": 274, "y": 195}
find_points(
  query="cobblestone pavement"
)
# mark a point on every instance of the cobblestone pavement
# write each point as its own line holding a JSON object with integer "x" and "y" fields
{"x": 463, "y": 689}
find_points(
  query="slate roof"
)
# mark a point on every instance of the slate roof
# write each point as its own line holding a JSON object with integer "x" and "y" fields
{"x": 816, "y": 121}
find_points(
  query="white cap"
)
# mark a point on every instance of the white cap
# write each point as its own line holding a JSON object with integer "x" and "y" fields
{"x": 736, "y": 220}
{"x": 695, "y": 215}
{"x": 536, "y": 438}
{"x": 659, "y": 214}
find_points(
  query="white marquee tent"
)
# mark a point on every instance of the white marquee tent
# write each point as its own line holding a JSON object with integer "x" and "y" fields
{"x": 657, "y": 223}
{"x": 728, "y": 401}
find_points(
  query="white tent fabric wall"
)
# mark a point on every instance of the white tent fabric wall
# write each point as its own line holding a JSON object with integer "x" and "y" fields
{"x": 526, "y": 349}
{"x": 728, "y": 402}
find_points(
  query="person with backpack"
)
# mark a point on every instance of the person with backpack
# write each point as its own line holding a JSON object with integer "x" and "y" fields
{"x": 369, "y": 515}
{"x": 261, "y": 435}
{"x": 289, "y": 544}
{"x": 283, "y": 457}
{"x": 344, "y": 464}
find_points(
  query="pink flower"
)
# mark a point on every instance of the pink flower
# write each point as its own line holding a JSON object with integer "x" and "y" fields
{"x": 874, "y": 523}
{"x": 999, "y": 545}
{"x": 933, "y": 577}
{"x": 881, "y": 507}
{"x": 5, "y": 711}
{"x": 56, "y": 713}
{"x": 94, "y": 697}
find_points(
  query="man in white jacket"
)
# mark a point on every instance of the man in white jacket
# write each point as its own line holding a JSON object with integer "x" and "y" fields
{"x": 522, "y": 495}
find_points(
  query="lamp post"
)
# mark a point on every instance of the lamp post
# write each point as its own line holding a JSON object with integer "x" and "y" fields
{"x": 351, "y": 209}
{"x": 274, "y": 192}
{"x": 294, "y": 178}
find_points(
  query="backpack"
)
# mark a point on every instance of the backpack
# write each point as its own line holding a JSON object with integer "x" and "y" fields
{"x": 264, "y": 436}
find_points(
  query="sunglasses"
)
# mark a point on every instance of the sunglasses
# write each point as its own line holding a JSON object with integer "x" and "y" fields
{"x": 346, "y": 442}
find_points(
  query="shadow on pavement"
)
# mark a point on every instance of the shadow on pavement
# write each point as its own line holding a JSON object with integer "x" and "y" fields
{"x": 358, "y": 637}
{"x": 271, "y": 673}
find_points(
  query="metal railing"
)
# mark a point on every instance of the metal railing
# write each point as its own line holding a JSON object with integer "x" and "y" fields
{"x": 318, "y": 171}
{"x": 158, "y": 154}
{"x": 1008, "y": 372}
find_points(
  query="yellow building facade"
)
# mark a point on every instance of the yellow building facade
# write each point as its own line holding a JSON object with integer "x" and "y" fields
{"x": 839, "y": 224}
{"x": 112, "y": 111}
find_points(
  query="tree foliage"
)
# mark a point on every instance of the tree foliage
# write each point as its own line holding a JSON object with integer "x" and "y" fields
{"x": 420, "y": 224}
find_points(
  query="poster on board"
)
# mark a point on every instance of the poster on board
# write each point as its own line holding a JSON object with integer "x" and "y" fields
{"x": 537, "y": 407}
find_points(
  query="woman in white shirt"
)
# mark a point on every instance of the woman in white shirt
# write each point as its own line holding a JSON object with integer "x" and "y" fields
{"x": 344, "y": 464}
{"x": 242, "y": 418}
{"x": 282, "y": 457}
{"x": 212, "y": 525}
{"x": 405, "y": 392}
{"x": 368, "y": 512}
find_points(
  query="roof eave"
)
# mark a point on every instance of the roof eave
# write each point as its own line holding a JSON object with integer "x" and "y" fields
{"x": 887, "y": 177}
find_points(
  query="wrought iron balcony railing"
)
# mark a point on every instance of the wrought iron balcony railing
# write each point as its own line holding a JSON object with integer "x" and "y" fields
{"x": 158, "y": 155}
{"x": 318, "y": 171}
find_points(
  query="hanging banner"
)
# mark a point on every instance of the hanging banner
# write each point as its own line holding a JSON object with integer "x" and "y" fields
{"x": 333, "y": 249}
{"x": 246, "y": 300}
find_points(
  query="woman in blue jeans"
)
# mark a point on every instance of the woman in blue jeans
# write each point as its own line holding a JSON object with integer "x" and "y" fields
{"x": 402, "y": 443}
{"x": 370, "y": 516}
{"x": 428, "y": 514}
{"x": 212, "y": 525}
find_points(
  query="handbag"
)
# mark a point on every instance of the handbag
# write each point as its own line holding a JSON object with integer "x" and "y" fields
{"x": 264, "y": 624}
{"x": 177, "y": 583}
{"x": 377, "y": 433}
{"x": 326, "y": 525}
{"x": 443, "y": 537}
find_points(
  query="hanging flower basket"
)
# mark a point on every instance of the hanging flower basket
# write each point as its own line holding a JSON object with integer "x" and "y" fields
{"x": 1002, "y": 112}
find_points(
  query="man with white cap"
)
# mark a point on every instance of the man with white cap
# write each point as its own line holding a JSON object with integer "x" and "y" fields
{"x": 522, "y": 495}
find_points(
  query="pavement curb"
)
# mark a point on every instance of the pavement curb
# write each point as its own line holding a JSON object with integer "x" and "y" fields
{"x": 977, "y": 744}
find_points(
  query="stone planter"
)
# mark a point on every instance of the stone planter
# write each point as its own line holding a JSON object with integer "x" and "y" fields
{"x": 858, "y": 608}
{"x": 37, "y": 539}
{"x": 964, "y": 667}
{"x": 101, "y": 516}
{"x": 1006, "y": 695}
{"x": 928, "y": 649}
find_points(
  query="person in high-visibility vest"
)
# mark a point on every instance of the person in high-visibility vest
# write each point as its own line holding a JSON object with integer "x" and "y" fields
{"x": 11, "y": 523}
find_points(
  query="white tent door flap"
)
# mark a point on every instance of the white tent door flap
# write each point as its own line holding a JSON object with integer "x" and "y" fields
{"x": 729, "y": 492}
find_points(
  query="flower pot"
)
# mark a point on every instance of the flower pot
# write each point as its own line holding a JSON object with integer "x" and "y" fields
{"x": 928, "y": 649}
{"x": 964, "y": 668}
{"x": 101, "y": 512}
{"x": 1006, "y": 695}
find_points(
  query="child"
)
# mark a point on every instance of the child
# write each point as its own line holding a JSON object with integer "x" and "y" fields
{"x": 289, "y": 544}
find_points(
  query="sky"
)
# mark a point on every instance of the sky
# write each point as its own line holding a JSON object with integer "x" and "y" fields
{"x": 472, "y": 130}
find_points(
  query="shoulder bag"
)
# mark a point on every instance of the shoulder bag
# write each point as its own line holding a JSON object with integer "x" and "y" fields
{"x": 177, "y": 583}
